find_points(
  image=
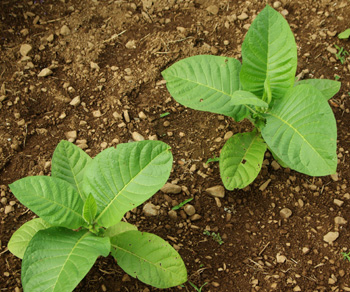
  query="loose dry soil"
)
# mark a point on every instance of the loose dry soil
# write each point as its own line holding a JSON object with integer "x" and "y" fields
{"x": 105, "y": 59}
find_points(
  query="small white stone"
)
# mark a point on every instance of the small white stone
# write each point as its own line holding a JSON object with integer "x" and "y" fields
{"x": 137, "y": 137}
{"x": 189, "y": 210}
{"x": 340, "y": 220}
{"x": 305, "y": 250}
{"x": 277, "y": 4}
{"x": 331, "y": 236}
{"x": 25, "y": 49}
{"x": 213, "y": 9}
{"x": 338, "y": 202}
{"x": 94, "y": 66}
{"x": 150, "y": 210}
{"x": 130, "y": 45}
{"x": 335, "y": 177}
{"x": 169, "y": 188}
{"x": 285, "y": 213}
{"x": 65, "y": 30}
{"x": 96, "y": 114}
{"x": 228, "y": 135}
{"x": 45, "y": 72}
{"x": 243, "y": 16}
{"x": 216, "y": 191}
{"x": 280, "y": 258}
{"x": 8, "y": 209}
{"x": 71, "y": 135}
{"x": 75, "y": 101}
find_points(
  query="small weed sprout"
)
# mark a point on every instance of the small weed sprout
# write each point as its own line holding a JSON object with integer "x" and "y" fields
{"x": 215, "y": 236}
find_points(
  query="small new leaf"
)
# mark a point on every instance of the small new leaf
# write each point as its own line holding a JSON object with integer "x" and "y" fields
{"x": 90, "y": 209}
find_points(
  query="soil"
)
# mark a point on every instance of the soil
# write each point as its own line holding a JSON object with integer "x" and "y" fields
{"x": 110, "y": 54}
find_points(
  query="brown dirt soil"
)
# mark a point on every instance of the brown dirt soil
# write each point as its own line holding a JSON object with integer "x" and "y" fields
{"x": 130, "y": 43}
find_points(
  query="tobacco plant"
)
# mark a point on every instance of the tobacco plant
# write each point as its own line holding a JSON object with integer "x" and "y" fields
{"x": 81, "y": 206}
{"x": 292, "y": 118}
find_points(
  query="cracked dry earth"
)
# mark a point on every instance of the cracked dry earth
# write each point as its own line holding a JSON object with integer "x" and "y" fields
{"x": 89, "y": 71}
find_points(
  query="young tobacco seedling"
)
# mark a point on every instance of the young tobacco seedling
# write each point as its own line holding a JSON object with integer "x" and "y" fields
{"x": 81, "y": 206}
{"x": 292, "y": 119}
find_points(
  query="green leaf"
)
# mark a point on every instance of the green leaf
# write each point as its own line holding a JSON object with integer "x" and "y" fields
{"x": 241, "y": 160}
{"x": 52, "y": 199}
{"x": 21, "y": 238}
{"x": 269, "y": 53}
{"x": 68, "y": 163}
{"x": 57, "y": 259}
{"x": 90, "y": 209}
{"x": 149, "y": 258}
{"x": 118, "y": 228}
{"x": 301, "y": 130}
{"x": 246, "y": 97}
{"x": 123, "y": 178}
{"x": 207, "y": 83}
{"x": 328, "y": 87}
{"x": 345, "y": 34}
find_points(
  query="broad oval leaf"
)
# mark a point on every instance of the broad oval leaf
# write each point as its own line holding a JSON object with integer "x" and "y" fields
{"x": 241, "y": 160}
{"x": 23, "y": 235}
{"x": 123, "y": 178}
{"x": 301, "y": 130}
{"x": 89, "y": 209}
{"x": 68, "y": 163}
{"x": 149, "y": 258}
{"x": 54, "y": 200}
{"x": 118, "y": 228}
{"x": 57, "y": 259}
{"x": 328, "y": 87}
{"x": 345, "y": 34}
{"x": 207, "y": 83}
{"x": 269, "y": 53}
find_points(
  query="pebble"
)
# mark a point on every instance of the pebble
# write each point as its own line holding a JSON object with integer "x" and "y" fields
{"x": 284, "y": 12}
{"x": 126, "y": 116}
{"x": 305, "y": 250}
{"x": 213, "y": 9}
{"x": 332, "y": 51}
{"x": 71, "y": 136}
{"x": 75, "y": 101}
{"x": 189, "y": 210}
{"x": 275, "y": 165}
{"x": 94, "y": 66}
{"x": 64, "y": 30}
{"x": 334, "y": 177}
{"x": 331, "y": 236}
{"x": 228, "y": 135}
{"x": 338, "y": 202}
{"x": 126, "y": 278}
{"x": 25, "y": 49}
{"x": 216, "y": 191}
{"x": 45, "y": 72}
{"x": 280, "y": 258}
{"x": 130, "y": 45}
{"x": 172, "y": 214}
{"x": 264, "y": 185}
{"x": 195, "y": 217}
{"x": 8, "y": 209}
{"x": 142, "y": 116}
{"x": 285, "y": 213}
{"x": 96, "y": 114}
{"x": 340, "y": 220}
{"x": 277, "y": 4}
{"x": 137, "y": 137}
{"x": 297, "y": 289}
{"x": 150, "y": 210}
{"x": 243, "y": 16}
{"x": 170, "y": 188}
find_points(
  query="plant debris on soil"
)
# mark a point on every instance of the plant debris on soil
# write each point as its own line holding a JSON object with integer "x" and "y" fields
{"x": 88, "y": 71}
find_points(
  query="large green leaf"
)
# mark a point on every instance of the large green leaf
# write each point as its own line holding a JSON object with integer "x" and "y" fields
{"x": 207, "y": 83}
{"x": 54, "y": 200}
{"x": 269, "y": 55}
{"x": 118, "y": 228}
{"x": 68, "y": 163}
{"x": 328, "y": 87}
{"x": 241, "y": 159}
{"x": 149, "y": 258}
{"x": 57, "y": 259}
{"x": 301, "y": 130}
{"x": 21, "y": 238}
{"x": 123, "y": 178}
